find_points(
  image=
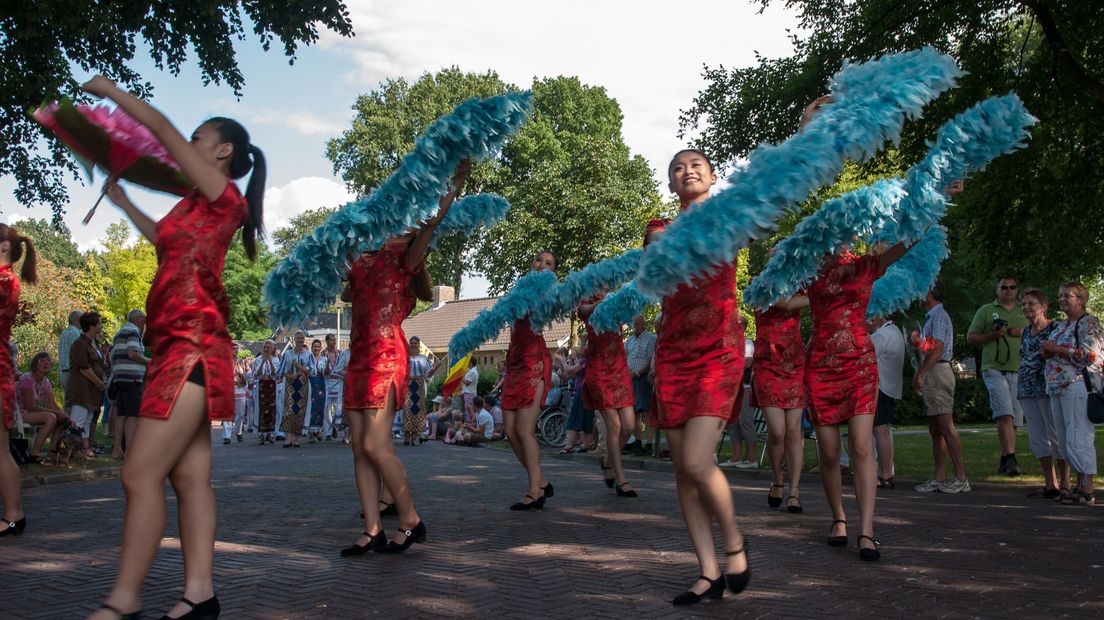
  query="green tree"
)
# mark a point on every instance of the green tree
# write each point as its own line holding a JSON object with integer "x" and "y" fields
{"x": 300, "y": 226}
{"x": 45, "y": 40}
{"x": 129, "y": 269}
{"x": 54, "y": 242}
{"x": 243, "y": 279}
{"x": 44, "y": 310}
{"x": 575, "y": 187}
{"x": 1044, "y": 50}
{"x": 388, "y": 121}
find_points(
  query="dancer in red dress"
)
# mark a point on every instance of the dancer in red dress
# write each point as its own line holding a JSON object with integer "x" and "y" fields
{"x": 607, "y": 388}
{"x": 699, "y": 363}
{"x": 382, "y": 291}
{"x": 11, "y": 250}
{"x": 778, "y": 389}
{"x": 190, "y": 381}
{"x": 528, "y": 378}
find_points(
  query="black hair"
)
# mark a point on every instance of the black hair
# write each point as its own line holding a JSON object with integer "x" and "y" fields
{"x": 29, "y": 272}
{"x": 704, "y": 156}
{"x": 315, "y": 341}
{"x": 554, "y": 258}
{"x": 937, "y": 291}
{"x": 38, "y": 357}
{"x": 478, "y": 401}
{"x": 89, "y": 320}
{"x": 489, "y": 401}
{"x": 246, "y": 157}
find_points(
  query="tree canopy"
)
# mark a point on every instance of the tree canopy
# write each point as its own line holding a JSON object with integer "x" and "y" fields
{"x": 44, "y": 40}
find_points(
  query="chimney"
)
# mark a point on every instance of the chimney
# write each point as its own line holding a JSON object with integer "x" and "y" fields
{"x": 442, "y": 295}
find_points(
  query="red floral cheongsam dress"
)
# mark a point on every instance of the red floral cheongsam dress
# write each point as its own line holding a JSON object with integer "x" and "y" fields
{"x": 382, "y": 299}
{"x": 528, "y": 363}
{"x": 841, "y": 367}
{"x": 778, "y": 367}
{"x": 9, "y": 308}
{"x": 187, "y": 307}
{"x": 607, "y": 383}
{"x": 699, "y": 358}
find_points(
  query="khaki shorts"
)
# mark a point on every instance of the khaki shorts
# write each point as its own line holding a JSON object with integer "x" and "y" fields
{"x": 939, "y": 386}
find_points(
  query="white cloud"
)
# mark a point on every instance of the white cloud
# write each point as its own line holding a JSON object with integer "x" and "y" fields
{"x": 302, "y": 122}
{"x": 639, "y": 50}
{"x": 283, "y": 202}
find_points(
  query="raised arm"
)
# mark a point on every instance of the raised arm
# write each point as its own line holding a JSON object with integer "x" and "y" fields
{"x": 209, "y": 180}
{"x": 416, "y": 253}
{"x": 796, "y": 302}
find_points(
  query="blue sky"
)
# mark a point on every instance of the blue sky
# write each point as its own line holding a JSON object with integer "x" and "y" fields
{"x": 647, "y": 54}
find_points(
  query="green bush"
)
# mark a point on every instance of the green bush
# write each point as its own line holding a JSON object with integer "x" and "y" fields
{"x": 487, "y": 378}
{"x": 971, "y": 403}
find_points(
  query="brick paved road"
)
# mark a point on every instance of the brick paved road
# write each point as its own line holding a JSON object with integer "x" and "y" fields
{"x": 285, "y": 513}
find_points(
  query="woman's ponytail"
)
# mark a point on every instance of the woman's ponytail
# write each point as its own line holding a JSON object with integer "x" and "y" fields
{"x": 29, "y": 273}
{"x": 254, "y": 195}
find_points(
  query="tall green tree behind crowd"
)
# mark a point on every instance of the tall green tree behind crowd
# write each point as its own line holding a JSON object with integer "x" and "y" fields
{"x": 44, "y": 41}
{"x": 573, "y": 185}
{"x": 1037, "y": 214}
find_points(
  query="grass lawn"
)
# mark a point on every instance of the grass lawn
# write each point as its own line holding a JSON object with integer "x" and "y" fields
{"x": 101, "y": 460}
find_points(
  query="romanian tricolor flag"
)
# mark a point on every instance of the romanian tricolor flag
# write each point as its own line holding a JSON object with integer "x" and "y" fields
{"x": 455, "y": 375}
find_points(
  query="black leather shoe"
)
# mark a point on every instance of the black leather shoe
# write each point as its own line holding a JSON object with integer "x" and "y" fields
{"x": 548, "y": 491}
{"x": 609, "y": 479}
{"x": 389, "y": 510}
{"x": 623, "y": 493}
{"x": 14, "y": 528}
{"x": 134, "y": 615}
{"x": 837, "y": 541}
{"x": 737, "y": 582}
{"x": 536, "y": 504}
{"x": 416, "y": 534}
{"x": 772, "y": 501}
{"x": 207, "y": 610}
{"x": 869, "y": 555}
{"x": 375, "y": 543}
{"x": 714, "y": 591}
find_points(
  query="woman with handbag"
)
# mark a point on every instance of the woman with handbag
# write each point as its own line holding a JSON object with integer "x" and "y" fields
{"x": 1075, "y": 353}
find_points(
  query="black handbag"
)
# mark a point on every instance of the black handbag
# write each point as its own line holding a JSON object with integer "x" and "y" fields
{"x": 18, "y": 446}
{"x": 1095, "y": 402}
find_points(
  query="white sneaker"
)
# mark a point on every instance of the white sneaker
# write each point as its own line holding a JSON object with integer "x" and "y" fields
{"x": 746, "y": 465}
{"x": 730, "y": 463}
{"x": 930, "y": 486}
{"x": 955, "y": 485}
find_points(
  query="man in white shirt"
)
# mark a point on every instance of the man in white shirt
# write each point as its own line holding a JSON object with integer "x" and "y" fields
{"x": 889, "y": 344}
{"x": 470, "y": 388}
{"x": 66, "y": 339}
{"x": 481, "y": 430}
{"x": 639, "y": 350}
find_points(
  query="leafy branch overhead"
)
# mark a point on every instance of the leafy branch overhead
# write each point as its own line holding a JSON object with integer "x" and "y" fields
{"x": 43, "y": 41}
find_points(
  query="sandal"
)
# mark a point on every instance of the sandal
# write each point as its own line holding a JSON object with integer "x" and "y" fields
{"x": 794, "y": 506}
{"x": 885, "y": 483}
{"x": 1080, "y": 498}
{"x": 772, "y": 501}
{"x": 1063, "y": 494}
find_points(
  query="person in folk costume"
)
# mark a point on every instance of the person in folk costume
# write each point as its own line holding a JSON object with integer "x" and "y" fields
{"x": 266, "y": 376}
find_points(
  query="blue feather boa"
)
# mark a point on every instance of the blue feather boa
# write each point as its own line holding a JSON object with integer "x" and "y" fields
{"x": 308, "y": 280}
{"x": 900, "y": 210}
{"x": 472, "y": 212}
{"x": 619, "y": 308}
{"x": 588, "y": 281}
{"x": 911, "y": 277}
{"x": 871, "y": 102}
{"x": 524, "y": 298}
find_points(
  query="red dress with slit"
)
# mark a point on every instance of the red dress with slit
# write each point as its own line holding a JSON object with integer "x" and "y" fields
{"x": 607, "y": 383}
{"x": 382, "y": 298}
{"x": 187, "y": 307}
{"x": 528, "y": 363}
{"x": 699, "y": 358}
{"x": 841, "y": 367}
{"x": 778, "y": 365}
{"x": 9, "y": 309}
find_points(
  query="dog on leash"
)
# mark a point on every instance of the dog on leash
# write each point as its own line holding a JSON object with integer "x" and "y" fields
{"x": 69, "y": 441}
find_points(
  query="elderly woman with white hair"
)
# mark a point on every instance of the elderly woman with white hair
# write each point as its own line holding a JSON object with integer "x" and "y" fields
{"x": 266, "y": 375}
{"x": 1075, "y": 354}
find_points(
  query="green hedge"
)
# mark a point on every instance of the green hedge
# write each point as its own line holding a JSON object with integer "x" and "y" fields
{"x": 971, "y": 403}
{"x": 487, "y": 378}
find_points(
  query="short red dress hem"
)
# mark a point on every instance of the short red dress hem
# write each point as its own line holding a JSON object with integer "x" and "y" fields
{"x": 528, "y": 364}
{"x": 607, "y": 383}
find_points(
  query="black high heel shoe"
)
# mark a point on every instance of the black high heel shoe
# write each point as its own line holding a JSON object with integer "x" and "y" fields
{"x": 737, "y": 582}
{"x": 375, "y": 543}
{"x": 134, "y": 615}
{"x": 416, "y": 534}
{"x": 602, "y": 464}
{"x": 623, "y": 493}
{"x": 869, "y": 555}
{"x": 772, "y": 501}
{"x": 536, "y": 504}
{"x": 548, "y": 491}
{"x": 207, "y": 610}
{"x": 14, "y": 528}
{"x": 389, "y": 510}
{"x": 715, "y": 591}
{"x": 837, "y": 541}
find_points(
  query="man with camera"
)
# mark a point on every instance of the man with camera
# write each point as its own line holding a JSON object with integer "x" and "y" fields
{"x": 997, "y": 328}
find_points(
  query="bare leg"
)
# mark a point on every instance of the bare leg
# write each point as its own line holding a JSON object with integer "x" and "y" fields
{"x": 46, "y": 422}
{"x": 697, "y": 518}
{"x": 618, "y": 427}
{"x": 795, "y": 449}
{"x": 939, "y": 448}
{"x": 525, "y": 426}
{"x": 159, "y": 445}
{"x": 1063, "y": 473}
{"x": 196, "y": 516}
{"x": 776, "y": 444}
{"x": 1050, "y": 481}
{"x": 380, "y": 449}
{"x": 11, "y": 488}
{"x": 1007, "y": 434}
{"x": 859, "y": 438}
{"x": 509, "y": 426}
{"x": 367, "y": 478}
{"x": 954, "y": 446}
{"x": 117, "y": 435}
{"x": 883, "y": 438}
{"x": 828, "y": 445}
